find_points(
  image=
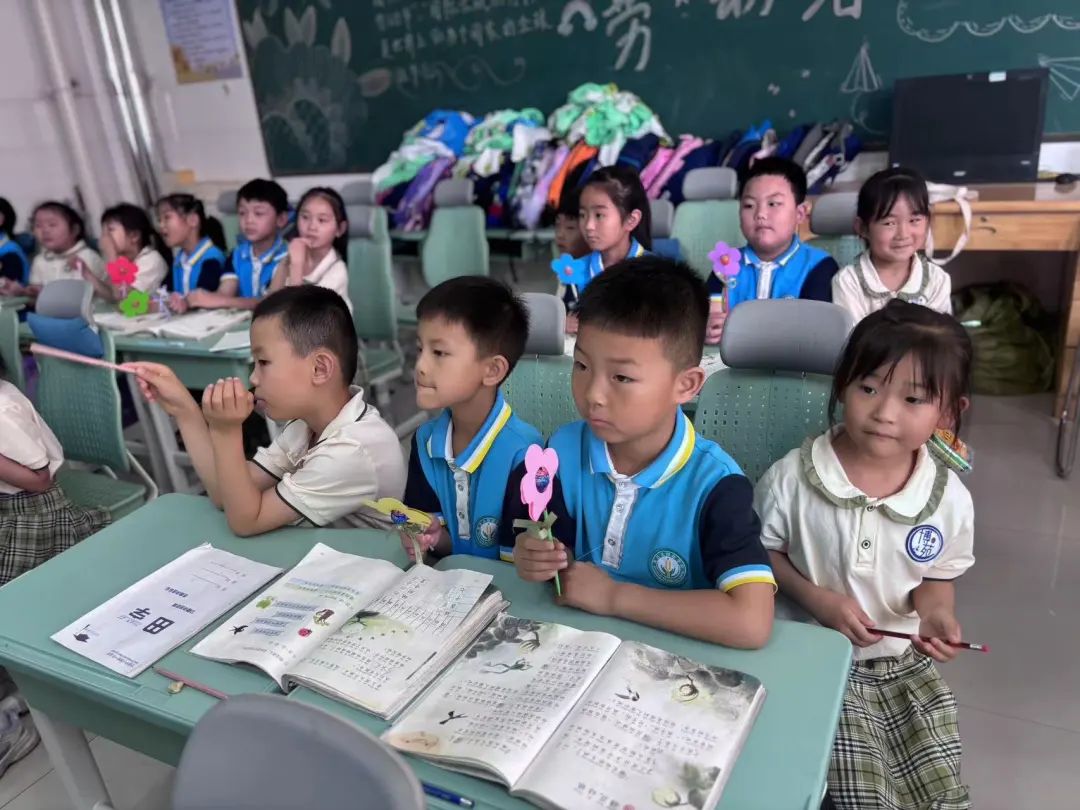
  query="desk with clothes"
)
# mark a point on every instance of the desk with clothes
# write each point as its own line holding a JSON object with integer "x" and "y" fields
{"x": 804, "y": 668}
{"x": 1019, "y": 217}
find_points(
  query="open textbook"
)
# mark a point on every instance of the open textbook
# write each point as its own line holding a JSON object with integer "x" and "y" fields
{"x": 573, "y": 719}
{"x": 194, "y": 325}
{"x": 358, "y": 629}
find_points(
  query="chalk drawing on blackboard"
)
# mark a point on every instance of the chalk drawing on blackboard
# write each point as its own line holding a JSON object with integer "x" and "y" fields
{"x": 791, "y": 113}
{"x": 804, "y": 73}
{"x": 576, "y": 8}
{"x": 472, "y": 73}
{"x": 774, "y": 89}
{"x": 1064, "y": 75}
{"x": 910, "y": 22}
{"x": 861, "y": 78}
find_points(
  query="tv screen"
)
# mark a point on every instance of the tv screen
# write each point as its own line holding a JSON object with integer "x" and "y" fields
{"x": 972, "y": 127}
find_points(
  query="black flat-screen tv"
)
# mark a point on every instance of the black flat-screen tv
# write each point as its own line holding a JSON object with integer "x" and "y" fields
{"x": 972, "y": 127}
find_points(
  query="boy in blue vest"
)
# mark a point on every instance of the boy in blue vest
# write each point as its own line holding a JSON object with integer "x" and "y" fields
{"x": 471, "y": 333}
{"x": 775, "y": 262}
{"x": 262, "y": 208}
{"x": 656, "y": 524}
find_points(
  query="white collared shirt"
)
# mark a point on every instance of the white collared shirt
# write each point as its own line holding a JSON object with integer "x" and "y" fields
{"x": 333, "y": 274}
{"x": 357, "y": 458}
{"x": 24, "y": 436}
{"x": 152, "y": 270}
{"x": 48, "y": 266}
{"x": 859, "y": 289}
{"x": 875, "y": 550}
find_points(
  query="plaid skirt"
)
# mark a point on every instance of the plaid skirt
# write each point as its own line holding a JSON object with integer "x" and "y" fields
{"x": 898, "y": 743}
{"x": 35, "y": 526}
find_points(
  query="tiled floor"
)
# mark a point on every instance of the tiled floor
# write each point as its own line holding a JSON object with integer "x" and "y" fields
{"x": 1020, "y": 705}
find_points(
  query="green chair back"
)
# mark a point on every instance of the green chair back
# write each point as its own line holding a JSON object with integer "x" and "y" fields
{"x": 700, "y": 224}
{"x": 372, "y": 289}
{"x": 758, "y": 416}
{"x": 82, "y": 406}
{"x": 538, "y": 390}
{"x": 845, "y": 249}
{"x": 227, "y": 215}
{"x": 10, "y": 355}
{"x": 456, "y": 241}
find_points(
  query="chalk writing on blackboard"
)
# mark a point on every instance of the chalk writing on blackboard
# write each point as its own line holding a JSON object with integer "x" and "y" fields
{"x": 841, "y": 8}
{"x": 917, "y": 18}
{"x": 727, "y": 9}
{"x": 1064, "y": 75}
{"x": 635, "y": 34}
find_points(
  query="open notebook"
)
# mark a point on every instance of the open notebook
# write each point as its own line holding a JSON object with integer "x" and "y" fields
{"x": 190, "y": 326}
{"x": 358, "y": 629}
{"x": 573, "y": 719}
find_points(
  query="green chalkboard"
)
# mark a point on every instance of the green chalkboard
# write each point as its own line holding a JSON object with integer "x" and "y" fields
{"x": 338, "y": 81}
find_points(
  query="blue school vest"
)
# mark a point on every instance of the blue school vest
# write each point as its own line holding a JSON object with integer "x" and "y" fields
{"x": 483, "y": 468}
{"x": 9, "y": 245}
{"x": 647, "y": 529}
{"x": 791, "y": 271}
{"x": 186, "y": 269}
{"x": 595, "y": 260}
{"x": 255, "y": 272}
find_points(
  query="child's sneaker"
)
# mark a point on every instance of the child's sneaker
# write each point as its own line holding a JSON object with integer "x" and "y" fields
{"x": 18, "y": 736}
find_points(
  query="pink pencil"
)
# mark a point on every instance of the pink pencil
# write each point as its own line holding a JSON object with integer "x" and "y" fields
{"x": 198, "y": 687}
{"x": 49, "y": 351}
{"x": 963, "y": 645}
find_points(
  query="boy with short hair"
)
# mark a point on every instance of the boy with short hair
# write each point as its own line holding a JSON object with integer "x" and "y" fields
{"x": 470, "y": 335}
{"x": 656, "y": 523}
{"x": 336, "y": 453}
{"x": 262, "y": 207}
{"x": 775, "y": 262}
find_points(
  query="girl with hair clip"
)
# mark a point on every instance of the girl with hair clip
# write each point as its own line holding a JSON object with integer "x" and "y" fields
{"x": 868, "y": 529}
{"x": 614, "y": 217}
{"x": 198, "y": 242}
{"x": 317, "y": 253}
{"x": 126, "y": 232}
{"x": 61, "y": 234}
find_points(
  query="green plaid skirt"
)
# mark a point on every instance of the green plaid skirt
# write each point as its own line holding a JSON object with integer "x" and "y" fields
{"x": 898, "y": 743}
{"x": 37, "y": 526}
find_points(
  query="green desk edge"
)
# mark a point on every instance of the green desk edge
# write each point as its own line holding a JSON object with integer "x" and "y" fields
{"x": 804, "y": 668}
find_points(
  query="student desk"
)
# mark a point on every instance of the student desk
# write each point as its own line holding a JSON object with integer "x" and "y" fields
{"x": 783, "y": 766}
{"x": 1021, "y": 217}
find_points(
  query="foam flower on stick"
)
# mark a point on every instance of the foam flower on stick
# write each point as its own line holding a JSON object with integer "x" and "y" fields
{"x": 574, "y": 273}
{"x": 122, "y": 271}
{"x": 137, "y": 303}
{"x": 413, "y": 522}
{"x": 726, "y": 262}
{"x": 537, "y": 487}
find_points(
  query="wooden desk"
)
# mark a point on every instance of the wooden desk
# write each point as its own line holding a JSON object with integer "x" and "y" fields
{"x": 1020, "y": 217}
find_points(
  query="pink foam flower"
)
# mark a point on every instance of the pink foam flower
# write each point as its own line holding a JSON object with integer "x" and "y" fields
{"x": 537, "y": 485}
{"x": 122, "y": 271}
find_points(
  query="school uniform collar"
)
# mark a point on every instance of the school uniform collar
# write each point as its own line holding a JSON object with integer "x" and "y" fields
{"x": 248, "y": 251}
{"x": 355, "y": 410}
{"x": 673, "y": 458}
{"x": 67, "y": 254}
{"x": 914, "y": 288}
{"x": 323, "y": 267}
{"x": 596, "y": 258}
{"x": 188, "y": 261}
{"x": 440, "y": 442}
{"x": 919, "y": 498}
{"x": 751, "y": 259}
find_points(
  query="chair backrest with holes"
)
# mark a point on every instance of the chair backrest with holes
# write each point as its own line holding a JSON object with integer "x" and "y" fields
{"x": 456, "y": 242}
{"x": 709, "y": 214}
{"x": 832, "y": 219}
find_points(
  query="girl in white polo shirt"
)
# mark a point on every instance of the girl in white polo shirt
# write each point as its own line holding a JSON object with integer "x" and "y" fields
{"x": 866, "y": 529}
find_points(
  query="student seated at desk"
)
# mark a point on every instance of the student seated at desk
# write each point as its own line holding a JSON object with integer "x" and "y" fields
{"x": 471, "y": 333}
{"x": 37, "y": 522}
{"x": 775, "y": 263}
{"x": 867, "y": 530}
{"x": 14, "y": 266}
{"x": 126, "y": 232}
{"x": 893, "y": 218}
{"x": 60, "y": 234}
{"x": 656, "y": 523}
{"x": 263, "y": 210}
{"x": 337, "y": 451}
{"x": 316, "y": 255}
{"x": 198, "y": 243}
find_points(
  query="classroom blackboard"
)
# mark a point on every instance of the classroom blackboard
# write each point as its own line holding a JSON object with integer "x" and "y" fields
{"x": 338, "y": 81}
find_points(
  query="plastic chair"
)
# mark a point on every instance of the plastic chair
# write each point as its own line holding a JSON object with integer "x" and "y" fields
{"x": 82, "y": 406}
{"x": 538, "y": 389}
{"x": 663, "y": 219}
{"x": 362, "y": 192}
{"x": 708, "y": 215}
{"x": 9, "y": 348}
{"x": 832, "y": 220}
{"x": 230, "y": 221}
{"x": 774, "y": 393}
{"x": 233, "y": 759}
{"x": 456, "y": 243}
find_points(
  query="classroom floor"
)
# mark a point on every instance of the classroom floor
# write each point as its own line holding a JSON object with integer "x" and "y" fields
{"x": 1020, "y": 704}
